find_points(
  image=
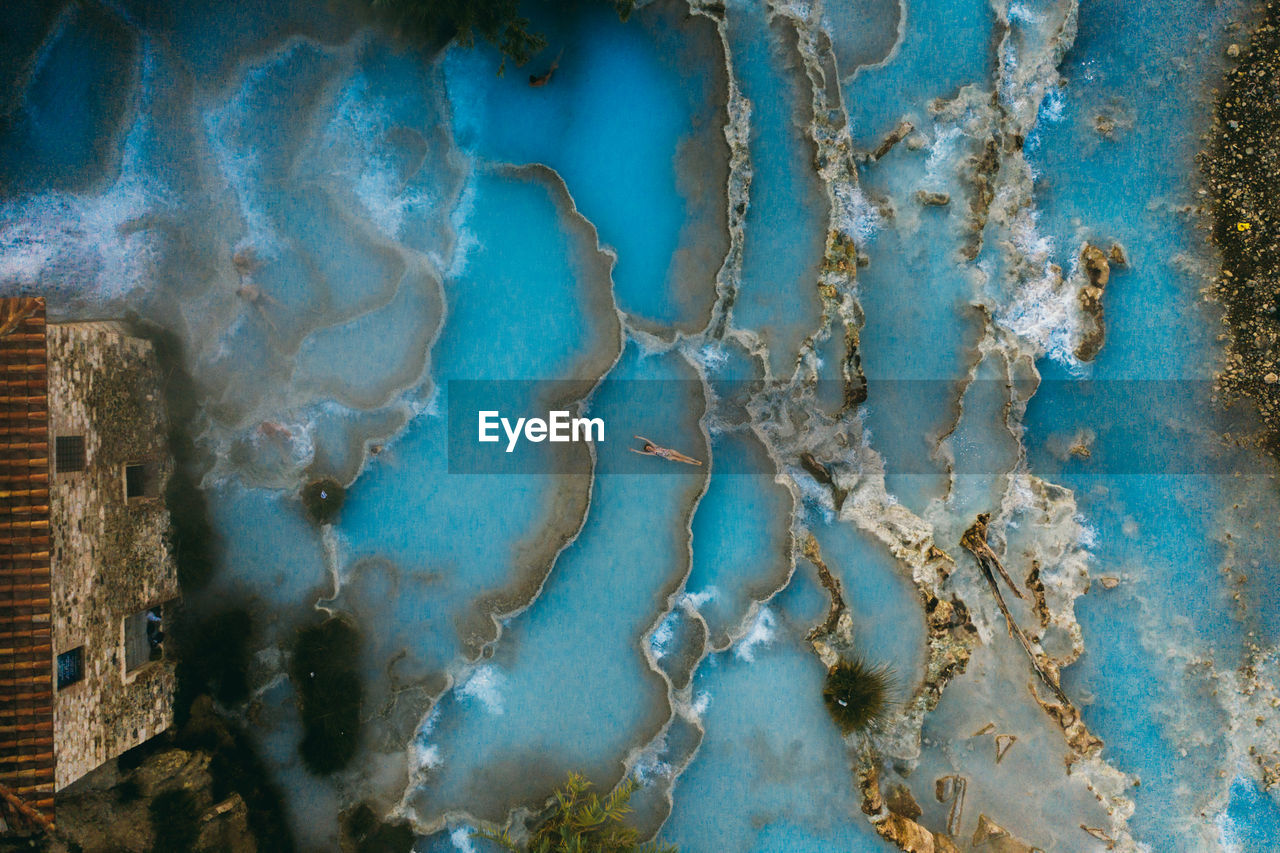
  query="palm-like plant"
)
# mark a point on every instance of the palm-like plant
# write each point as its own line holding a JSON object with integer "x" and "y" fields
{"x": 580, "y": 822}
{"x": 858, "y": 694}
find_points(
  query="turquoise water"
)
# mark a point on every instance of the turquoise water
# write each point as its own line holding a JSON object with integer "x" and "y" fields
{"x": 1252, "y": 819}
{"x": 786, "y": 218}
{"x": 72, "y": 116}
{"x": 561, "y": 691}
{"x": 741, "y": 537}
{"x": 882, "y": 602}
{"x": 625, "y": 125}
{"x": 465, "y": 554}
{"x": 943, "y": 46}
{"x": 766, "y": 753}
{"x": 337, "y": 226}
{"x": 1137, "y": 199}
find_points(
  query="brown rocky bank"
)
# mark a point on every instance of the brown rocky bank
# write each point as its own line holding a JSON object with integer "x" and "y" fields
{"x": 1242, "y": 167}
{"x": 197, "y": 789}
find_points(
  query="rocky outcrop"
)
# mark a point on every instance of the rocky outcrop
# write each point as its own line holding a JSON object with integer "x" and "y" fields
{"x": 198, "y": 790}
{"x": 168, "y": 802}
{"x": 822, "y": 635}
{"x": 822, "y": 474}
{"x": 990, "y": 837}
{"x": 893, "y": 826}
{"x": 1097, "y": 269}
{"x": 899, "y": 133}
{"x": 1241, "y": 166}
{"x": 1057, "y": 705}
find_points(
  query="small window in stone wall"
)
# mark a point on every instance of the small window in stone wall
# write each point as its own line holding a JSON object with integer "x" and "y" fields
{"x": 69, "y": 453}
{"x": 140, "y": 481}
{"x": 70, "y": 667}
{"x": 143, "y": 637}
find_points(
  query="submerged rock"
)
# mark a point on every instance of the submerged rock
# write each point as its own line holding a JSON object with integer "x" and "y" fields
{"x": 933, "y": 199}
{"x": 900, "y": 801}
{"x": 990, "y": 836}
{"x": 1094, "y": 331}
{"x": 896, "y": 828}
{"x": 895, "y": 136}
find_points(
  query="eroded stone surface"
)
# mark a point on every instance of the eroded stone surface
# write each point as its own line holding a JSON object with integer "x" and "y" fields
{"x": 111, "y": 558}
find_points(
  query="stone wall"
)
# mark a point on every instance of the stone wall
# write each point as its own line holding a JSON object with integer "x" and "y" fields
{"x": 110, "y": 556}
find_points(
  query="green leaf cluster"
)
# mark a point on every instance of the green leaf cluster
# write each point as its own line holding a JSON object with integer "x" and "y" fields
{"x": 580, "y": 822}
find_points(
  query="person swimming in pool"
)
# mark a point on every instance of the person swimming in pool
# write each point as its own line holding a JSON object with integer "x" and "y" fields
{"x": 651, "y": 449}
{"x": 539, "y": 80}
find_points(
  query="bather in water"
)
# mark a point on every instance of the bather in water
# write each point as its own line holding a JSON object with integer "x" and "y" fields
{"x": 537, "y": 81}
{"x": 651, "y": 449}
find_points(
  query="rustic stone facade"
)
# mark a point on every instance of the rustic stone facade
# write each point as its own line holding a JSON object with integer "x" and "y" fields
{"x": 110, "y": 556}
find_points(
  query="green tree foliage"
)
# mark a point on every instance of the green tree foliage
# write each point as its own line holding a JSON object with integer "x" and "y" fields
{"x": 496, "y": 21}
{"x": 857, "y": 694}
{"x": 580, "y": 822}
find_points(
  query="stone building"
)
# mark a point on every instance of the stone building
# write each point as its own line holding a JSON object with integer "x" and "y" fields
{"x": 86, "y": 574}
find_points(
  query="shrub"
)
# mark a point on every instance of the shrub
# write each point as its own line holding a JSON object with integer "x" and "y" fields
{"x": 580, "y": 821}
{"x": 322, "y": 499}
{"x": 857, "y": 694}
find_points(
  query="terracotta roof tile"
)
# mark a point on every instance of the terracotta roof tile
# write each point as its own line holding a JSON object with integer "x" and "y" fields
{"x": 26, "y": 653}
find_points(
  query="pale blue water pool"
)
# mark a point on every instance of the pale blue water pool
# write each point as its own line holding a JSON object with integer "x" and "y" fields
{"x": 337, "y": 226}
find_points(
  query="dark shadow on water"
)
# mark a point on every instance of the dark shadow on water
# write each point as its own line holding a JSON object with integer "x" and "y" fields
{"x": 325, "y": 672}
{"x": 213, "y": 649}
{"x": 213, "y": 659}
{"x": 366, "y": 833}
{"x": 190, "y": 534}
